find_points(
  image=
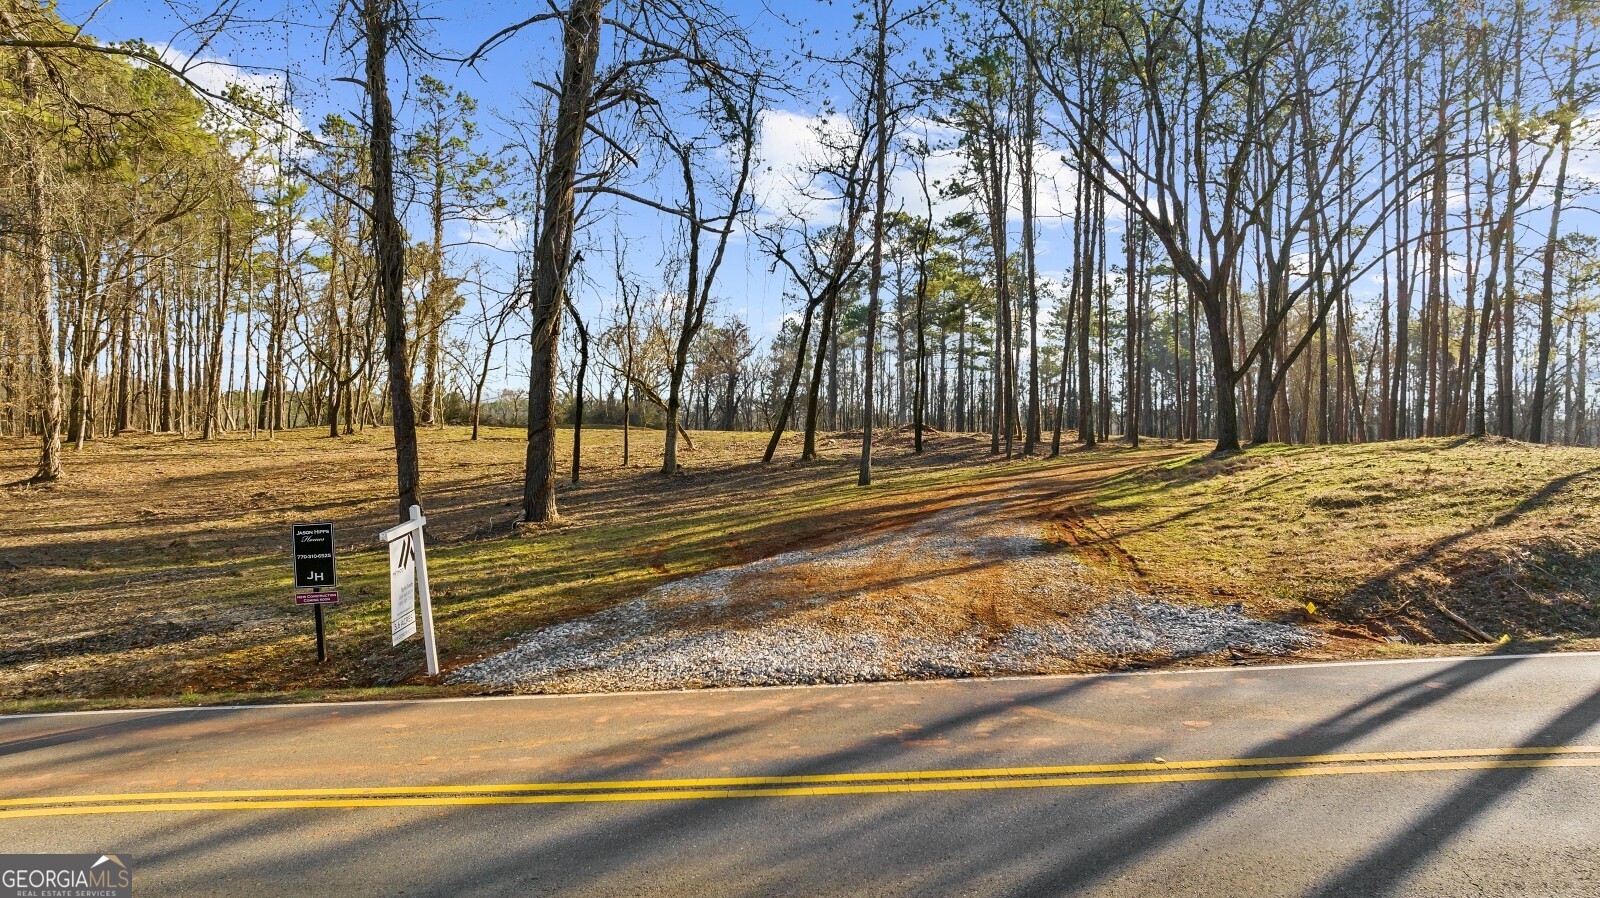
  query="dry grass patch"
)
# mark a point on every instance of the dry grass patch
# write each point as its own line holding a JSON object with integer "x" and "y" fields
{"x": 158, "y": 570}
{"x": 1379, "y": 536}
{"x": 159, "y": 566}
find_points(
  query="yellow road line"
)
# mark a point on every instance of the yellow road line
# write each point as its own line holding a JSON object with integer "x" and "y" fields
{"x": 857, "y": 788}
{"x": 815, "y": 778}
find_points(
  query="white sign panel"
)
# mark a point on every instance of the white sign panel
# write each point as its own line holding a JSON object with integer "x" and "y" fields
{"x": 402, "y": 589}
{"x": 408, "y": 585}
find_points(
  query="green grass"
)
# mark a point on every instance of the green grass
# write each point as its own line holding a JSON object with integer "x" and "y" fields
{"x": 1505, "y": 533}
{"x": 159, "y": 568}
{"x": 158, "y": 571}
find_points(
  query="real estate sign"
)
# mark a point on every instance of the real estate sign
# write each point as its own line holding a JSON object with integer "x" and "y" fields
{"x": 313, "y": 556}
{"x": 402, "y": 590}
{"x": 408, "y": 585}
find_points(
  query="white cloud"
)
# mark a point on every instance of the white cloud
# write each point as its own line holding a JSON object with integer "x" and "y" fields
{"x": 789, "y": 146}
{"x": 215, "y": 74}
{"x": 775, "y": 324}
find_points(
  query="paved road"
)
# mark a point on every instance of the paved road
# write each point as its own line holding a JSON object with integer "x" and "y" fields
{"x": 1441, "y": 778}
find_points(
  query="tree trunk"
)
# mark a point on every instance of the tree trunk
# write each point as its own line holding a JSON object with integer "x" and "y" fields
{"x": 213, "y": 411}
{"x": 577, "y": 396}
{"x": 1086, "y": 260}
{"x": 37, "y": 285}
{"x": 553, "y": 255}
{"x": 808, "y": 450}
{"x": 1032, "y": 428}
{"x": 880, "y": 92}
{"x": 390, "y": 250}
{"x": 1222, "y": 374}
{"x": 1541, "y": 384}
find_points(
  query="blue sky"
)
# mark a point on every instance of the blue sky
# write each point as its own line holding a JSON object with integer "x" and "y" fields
{"x": 268, "y": 37}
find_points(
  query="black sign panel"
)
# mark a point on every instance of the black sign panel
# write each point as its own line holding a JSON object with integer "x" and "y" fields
{"x": 313, "y": 556}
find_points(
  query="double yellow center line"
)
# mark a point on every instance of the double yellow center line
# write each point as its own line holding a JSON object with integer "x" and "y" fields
{"x": 861, "y": 783}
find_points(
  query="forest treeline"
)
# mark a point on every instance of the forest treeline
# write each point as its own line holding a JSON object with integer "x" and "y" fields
{"x": 1283, "y": 220}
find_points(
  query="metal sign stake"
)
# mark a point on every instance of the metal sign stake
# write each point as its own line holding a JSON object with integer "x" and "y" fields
{"x": 322, "y": 642}
{"x": 429, "y": 646}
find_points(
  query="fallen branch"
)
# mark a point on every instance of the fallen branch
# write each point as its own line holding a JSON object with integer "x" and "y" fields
{"x": 1462, "y": 622}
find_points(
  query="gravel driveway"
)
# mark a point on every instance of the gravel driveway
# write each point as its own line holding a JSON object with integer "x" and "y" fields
{"x": 962, "y": 593}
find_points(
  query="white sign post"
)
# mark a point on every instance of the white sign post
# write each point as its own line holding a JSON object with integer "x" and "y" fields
{"x": 408, "y": 582}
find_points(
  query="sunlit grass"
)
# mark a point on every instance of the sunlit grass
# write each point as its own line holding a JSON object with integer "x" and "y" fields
{"x": 1365, "y": 527}
{"x": 160, "y": 565}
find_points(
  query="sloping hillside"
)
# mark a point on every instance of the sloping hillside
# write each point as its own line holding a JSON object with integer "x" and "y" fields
{"x": 174, "y": 582}
{"x": 1388, "y": 539}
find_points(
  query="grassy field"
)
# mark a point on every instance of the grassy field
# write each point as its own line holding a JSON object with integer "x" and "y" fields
{"x": 159, "y": 567}
{"x": 158, "y": 570}
{"x": 1389, "y": 539}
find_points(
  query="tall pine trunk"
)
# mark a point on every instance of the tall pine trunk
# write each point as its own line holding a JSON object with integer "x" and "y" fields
{"x": 389, "y": 248}
{"x": 552, "y": 257}
{"x": 37, "y": 285}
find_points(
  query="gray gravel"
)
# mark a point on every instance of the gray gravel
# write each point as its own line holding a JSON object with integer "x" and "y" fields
{"x": 625, "y": 649}
{"x": 940, "y": 598}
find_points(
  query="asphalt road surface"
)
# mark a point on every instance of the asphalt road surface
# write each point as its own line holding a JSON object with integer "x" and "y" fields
{"x": 1440, "y": 778}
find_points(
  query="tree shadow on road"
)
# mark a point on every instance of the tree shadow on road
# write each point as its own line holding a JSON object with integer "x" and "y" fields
{"x": 1028, "y": 842}
{"x": 1386, "y": 867}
